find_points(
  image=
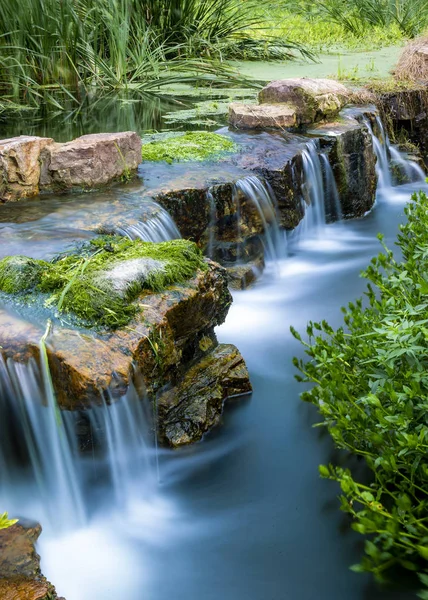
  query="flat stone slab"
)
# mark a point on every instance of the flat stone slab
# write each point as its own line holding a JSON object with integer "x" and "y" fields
{"x": 265, "y": 116}
{"x": 313, "y": 99}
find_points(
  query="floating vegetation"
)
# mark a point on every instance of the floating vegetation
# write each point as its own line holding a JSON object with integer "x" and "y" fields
{"x": 193, "y": 145}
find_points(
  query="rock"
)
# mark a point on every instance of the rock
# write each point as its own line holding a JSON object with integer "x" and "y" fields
{"x": 242, "y": 276}
{"x": 196, "y": 404}
{"x": 405, "y": 112}
{"x": 20, "y": 166}
{"x": 90, "y": 161}
{"x": 352, "y": 158}
{"x": 20, "y": 574}
{"x": 262, "y": 116}
{"x": 172, "y": 333}
{"x": 312, "y": 99}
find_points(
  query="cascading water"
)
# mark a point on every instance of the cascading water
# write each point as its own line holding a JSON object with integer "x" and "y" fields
{"x": 389, "y": 156}
{"x": 260, "y": 195}
{"x": 319, "y": 191}
{"x": 158, "y": 226}
{"x": 44, "y": 439}
{"x": 47, "y": 442}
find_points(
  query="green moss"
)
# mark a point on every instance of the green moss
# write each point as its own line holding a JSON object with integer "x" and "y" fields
{"x": 20, "y": 273}
{"x": 101, "y": 283}
{"x": 194, "y": 145}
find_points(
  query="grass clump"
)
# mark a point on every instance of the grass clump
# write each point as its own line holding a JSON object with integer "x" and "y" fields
{"x": 413, "y": 64}
{"x": 371, "y": 388}
{"x": 20, "y": 273}
{"x": 101, "y": 283}
{"x": 194, "y": 145}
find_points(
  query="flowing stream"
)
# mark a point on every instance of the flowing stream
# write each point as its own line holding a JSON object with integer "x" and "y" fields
{"x": 243, "y": 514}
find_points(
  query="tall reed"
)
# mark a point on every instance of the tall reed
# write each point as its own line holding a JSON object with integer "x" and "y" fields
{"x": 72, "y": 47}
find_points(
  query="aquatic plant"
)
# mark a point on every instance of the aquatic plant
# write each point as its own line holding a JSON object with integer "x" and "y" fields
{"x": 193, "y": 145}
{"x": 5, "y": 522}
{"x": 52, "y": 51}
{"x": 101, "y": 283}
{"x": 356, "y": 16}
{"x": 371, "y": 388}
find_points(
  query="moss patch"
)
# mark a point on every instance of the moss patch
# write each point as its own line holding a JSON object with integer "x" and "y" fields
{"x": 20, "y": 273}
{"x": 101, "y": 283}
{"x": 194, "y": 145}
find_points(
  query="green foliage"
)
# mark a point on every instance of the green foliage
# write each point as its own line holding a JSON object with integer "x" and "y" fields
{"x": 54, "y": 51}
{"x": 356, "y": 16}
{"x": 194, "y": 145}
{"x": 101, "y": 284}
{"x": 371, "y": 388}
{"x": 5, "y": 522}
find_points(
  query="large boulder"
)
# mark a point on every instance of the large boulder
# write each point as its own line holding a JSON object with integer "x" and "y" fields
{"x": 90, "y": 161}
{"x": 20, "y": 574}
{"x": 20, "y": 166}
{"x": 312, "y": 99}
{"x": 162, "y": 332}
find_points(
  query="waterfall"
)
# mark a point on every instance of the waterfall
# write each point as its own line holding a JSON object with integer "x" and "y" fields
{"x": 158, "y": 226}
{"x": 44, "y": 443}
{"x": 389, "y": 156}
{"x": 319, "y": 191}
{"x": 34, "y": 429}
{"x": 260, "y": 195}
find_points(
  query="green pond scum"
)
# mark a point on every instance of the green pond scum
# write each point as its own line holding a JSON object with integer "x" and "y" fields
{"x": 100, "y": 283}
{"x": 191, "y": 146}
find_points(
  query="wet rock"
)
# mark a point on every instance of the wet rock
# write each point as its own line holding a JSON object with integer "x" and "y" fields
{"x": 196, "y": 404}
{"x": 90, "y": 161}
{"x": 241, "y": 276}
{"x": 20, "y": 166}
{"x": 20, "y": 574}
{"x": 262, "y": 116}
{"x": 312, "y": 99}
{"x": 352, "y": 158}
{"x": 172, "y": 333}
{"x": 405, "y": 113}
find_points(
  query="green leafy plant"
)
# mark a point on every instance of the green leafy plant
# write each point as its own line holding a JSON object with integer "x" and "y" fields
{"x": 371, "y": 388}
{"x": 5, "y": 522}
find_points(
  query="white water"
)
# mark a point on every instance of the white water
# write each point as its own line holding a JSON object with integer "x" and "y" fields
{"x": 319, "y": 190}
{"x": 261, "y": 196}
{"x": 387, "y": 155}
{"x": 158, "y": 227}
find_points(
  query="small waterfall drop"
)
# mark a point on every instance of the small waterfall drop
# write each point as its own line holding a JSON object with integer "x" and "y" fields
{"x": 43, "y": 437}
{"x": 319, "y": 194}
{"x": 45, "y": 445}
{"x": 260, "y": 196}
{"x": 388, "y": 157}
{"x": 157, "y": 226}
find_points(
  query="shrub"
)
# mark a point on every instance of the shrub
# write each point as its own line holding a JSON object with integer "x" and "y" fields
{"x": 371, "y": 388}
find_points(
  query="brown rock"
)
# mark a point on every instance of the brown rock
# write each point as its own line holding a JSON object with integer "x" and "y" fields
{"x": 312, "y": 99}
{"x": 195, "y": 405}
{"x": 20, "y": 575}
{"x": 90, "y": 161}
{"x": 266, "y": 116}
{"x": 20, "y": 166}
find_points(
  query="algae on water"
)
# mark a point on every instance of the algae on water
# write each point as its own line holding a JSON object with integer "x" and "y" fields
{"x": 193, "y": 145}
{"x": 101, "y": 282}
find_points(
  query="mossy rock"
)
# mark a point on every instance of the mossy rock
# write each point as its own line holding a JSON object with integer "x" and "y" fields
{"x": 192, "y": 146}
{"x": 100, "y": 284}
{"x": 20, "y": 273}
